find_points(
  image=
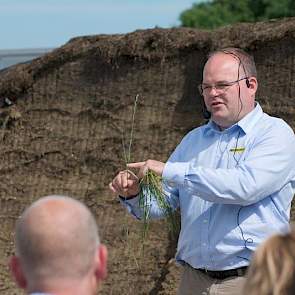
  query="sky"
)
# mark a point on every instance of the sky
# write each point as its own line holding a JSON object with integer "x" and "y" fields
{"x": 51, "y": 23}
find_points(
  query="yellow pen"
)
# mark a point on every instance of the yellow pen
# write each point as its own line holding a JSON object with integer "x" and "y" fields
{"x": 237, "y": 150}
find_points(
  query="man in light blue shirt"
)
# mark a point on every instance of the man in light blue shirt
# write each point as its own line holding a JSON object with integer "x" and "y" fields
{"x": 233, "y": 179}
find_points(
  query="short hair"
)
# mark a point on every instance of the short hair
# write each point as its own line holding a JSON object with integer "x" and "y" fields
{"x": 64, "y": 251}
{"x": 247, "y": 60}
{"x": 272, "y": 270}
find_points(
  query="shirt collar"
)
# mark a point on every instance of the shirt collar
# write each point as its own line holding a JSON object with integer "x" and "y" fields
{"x": 246, "y": 123}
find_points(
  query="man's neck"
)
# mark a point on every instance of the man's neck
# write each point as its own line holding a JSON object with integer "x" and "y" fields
{"x": 62, "y": 288}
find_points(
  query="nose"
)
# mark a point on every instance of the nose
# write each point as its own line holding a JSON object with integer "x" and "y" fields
{"x": 212, "y": 91}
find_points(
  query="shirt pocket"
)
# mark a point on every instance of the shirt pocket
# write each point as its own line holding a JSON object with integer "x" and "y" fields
{"x": 236, "y": 156}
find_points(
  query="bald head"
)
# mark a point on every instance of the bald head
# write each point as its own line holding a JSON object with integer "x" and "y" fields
{"x": 56, "y": 237}
{"x": 245, "y": 60}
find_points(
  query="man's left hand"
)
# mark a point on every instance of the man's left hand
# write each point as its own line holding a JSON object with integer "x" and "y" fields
{"x": 153, "y": 165}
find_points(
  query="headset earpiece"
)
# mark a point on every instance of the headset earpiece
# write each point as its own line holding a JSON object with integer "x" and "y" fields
{"x": 248, "y": 83}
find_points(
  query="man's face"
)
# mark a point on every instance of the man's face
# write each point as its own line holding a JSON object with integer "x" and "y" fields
{"x": 224, "y": 103}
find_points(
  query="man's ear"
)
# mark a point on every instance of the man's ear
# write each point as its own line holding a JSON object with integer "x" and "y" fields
{"x": 17, "y": 272}
{"x": 253, "y": 85}
{"x": 101, "y": 262}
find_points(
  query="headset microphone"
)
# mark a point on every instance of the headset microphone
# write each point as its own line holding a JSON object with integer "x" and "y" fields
{"x": 205, "y": 112}
{"x": 248, "y": 83}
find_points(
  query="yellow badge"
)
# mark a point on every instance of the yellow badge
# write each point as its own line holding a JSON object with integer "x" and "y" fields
{"x": 238, "y": 150}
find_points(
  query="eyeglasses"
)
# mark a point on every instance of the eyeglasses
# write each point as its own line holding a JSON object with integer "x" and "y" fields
{"x": 220, "y": 87}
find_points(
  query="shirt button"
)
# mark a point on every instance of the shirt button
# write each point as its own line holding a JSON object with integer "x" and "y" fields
{"x": 171, "y": 183}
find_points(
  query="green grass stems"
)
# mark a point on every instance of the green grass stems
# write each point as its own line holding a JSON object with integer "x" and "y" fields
{"x": 151, "y": 187}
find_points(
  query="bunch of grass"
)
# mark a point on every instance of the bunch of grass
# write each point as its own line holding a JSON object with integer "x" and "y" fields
{"x": 150, "y": 187}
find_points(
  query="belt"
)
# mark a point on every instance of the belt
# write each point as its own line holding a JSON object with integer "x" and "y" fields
{"x": 223, "y": 274}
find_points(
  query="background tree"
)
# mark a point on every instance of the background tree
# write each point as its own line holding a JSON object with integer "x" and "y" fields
{"x": 216, "y": 13}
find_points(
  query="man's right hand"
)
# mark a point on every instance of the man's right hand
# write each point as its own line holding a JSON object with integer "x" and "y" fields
{"x": 125, "y": 184}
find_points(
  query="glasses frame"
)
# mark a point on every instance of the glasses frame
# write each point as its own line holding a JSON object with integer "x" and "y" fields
{"x": 224, "y": 84}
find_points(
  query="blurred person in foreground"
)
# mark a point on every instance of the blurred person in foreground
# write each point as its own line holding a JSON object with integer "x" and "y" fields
{"x": 233, "y": 179}
{"x": 272, "y": 269}
{"x": 58, "y": 250}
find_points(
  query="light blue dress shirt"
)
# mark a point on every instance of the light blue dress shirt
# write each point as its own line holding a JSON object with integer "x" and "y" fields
{"x": 234, "y": 189}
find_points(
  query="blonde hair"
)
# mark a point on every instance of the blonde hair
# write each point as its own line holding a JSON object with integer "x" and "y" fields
{"x": 272, "y": 270}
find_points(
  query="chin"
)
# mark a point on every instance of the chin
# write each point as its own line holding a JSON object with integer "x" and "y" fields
{"x": 220, "y": 121}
